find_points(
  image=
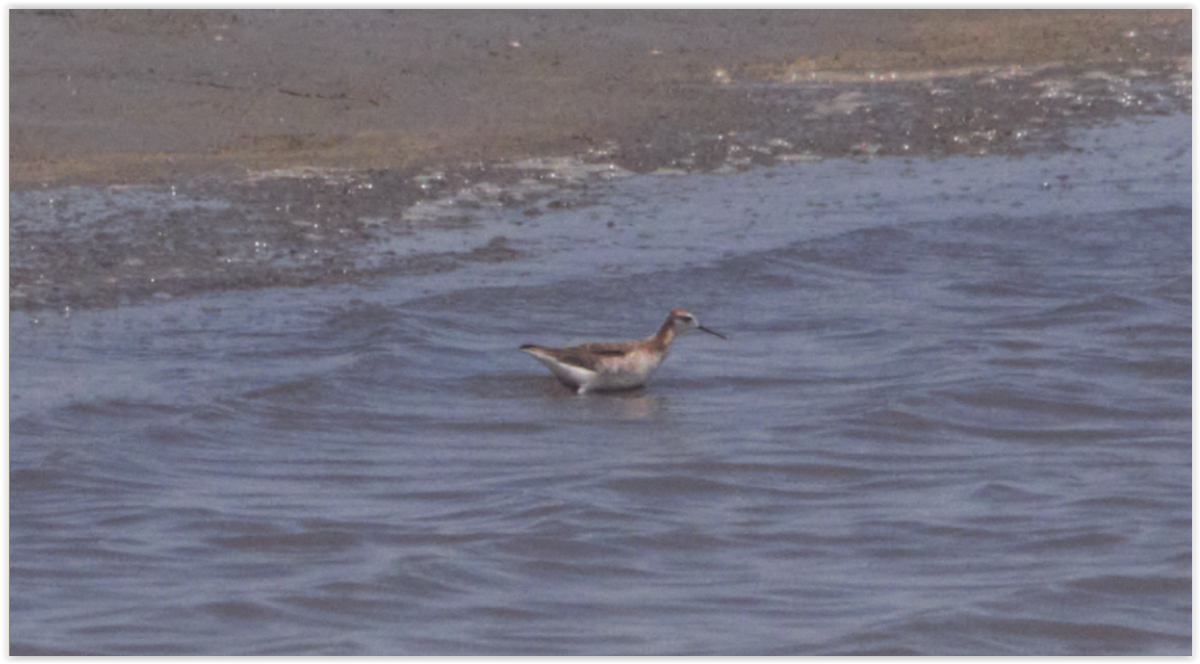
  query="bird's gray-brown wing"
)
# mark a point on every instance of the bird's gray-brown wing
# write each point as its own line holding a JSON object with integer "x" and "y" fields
{"x": 588, "y": 356}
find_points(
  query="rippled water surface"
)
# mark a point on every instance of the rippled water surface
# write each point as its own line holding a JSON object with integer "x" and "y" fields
{"x": 952, "y": 417}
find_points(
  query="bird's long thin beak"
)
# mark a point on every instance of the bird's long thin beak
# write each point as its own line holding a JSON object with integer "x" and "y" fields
{"x": 715, "y": 334}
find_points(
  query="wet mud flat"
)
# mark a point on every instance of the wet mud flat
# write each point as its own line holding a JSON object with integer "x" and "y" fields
{"x": 240, "y": 160}
{"x": 123, "y": 97}
{"x": 83, "y": 247}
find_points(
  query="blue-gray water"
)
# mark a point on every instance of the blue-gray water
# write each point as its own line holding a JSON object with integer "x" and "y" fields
{"x": 953, "y": 417}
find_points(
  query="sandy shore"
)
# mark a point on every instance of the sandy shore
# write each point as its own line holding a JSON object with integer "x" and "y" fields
{"x": 103, "y": 97}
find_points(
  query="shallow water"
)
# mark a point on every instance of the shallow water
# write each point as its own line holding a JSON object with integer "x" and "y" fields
{"x": 953, "y": 417}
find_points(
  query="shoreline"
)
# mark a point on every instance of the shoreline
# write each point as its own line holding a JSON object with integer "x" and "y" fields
{"x": 100, "y": 97}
